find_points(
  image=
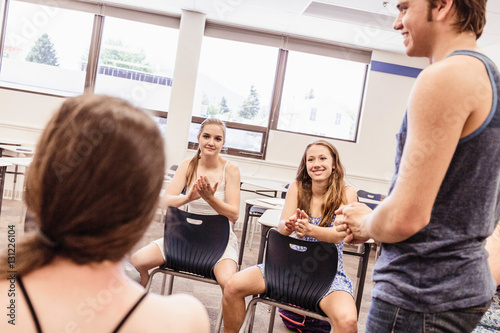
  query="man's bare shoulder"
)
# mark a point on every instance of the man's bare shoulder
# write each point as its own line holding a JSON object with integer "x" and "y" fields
{"x": 452, "y": 85}
{"x": 458, "y": 71}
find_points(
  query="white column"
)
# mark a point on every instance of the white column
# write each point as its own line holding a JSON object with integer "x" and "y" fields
{"x": 191, "y": 31}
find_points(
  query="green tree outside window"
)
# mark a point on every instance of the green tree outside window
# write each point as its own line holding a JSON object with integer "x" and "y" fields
{"x": 43, "y": 52}
{"x": 251, "y": 105}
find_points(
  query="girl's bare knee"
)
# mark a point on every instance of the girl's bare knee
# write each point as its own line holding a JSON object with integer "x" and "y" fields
{"x": 346, "y": 324}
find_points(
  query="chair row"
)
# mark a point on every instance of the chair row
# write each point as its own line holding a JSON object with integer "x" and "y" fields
{"x": 194, "y": 243}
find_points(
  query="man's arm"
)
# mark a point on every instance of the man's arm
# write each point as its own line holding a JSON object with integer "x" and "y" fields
{"x": 441, "y": 105}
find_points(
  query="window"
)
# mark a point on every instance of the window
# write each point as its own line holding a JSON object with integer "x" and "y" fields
{"x": 256, "y": 81}
{"x": 136, "y": 62}
{"x": 297, "y": 85}
{"x": 46, "y": 48}
{"x": 237, "y": 140}
{"x": 235, "y": 84}
{"x": 2, "y": 9}
{"x": 332, "y": 87}
{"x": 160, "y": 119}
{"x": 312, "y": 115}
{"x": 338, "y": 118}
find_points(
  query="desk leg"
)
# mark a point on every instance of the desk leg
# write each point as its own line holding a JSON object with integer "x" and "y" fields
{"x": 2, "y": 181}
{"x": 14, "y": 183}
{"x": 362, "y": 269}
{"x": 244, "y": 235}
{"x": 263, "y": 233}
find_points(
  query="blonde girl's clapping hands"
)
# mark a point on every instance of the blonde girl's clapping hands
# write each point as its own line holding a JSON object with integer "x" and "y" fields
{"x": 193, "y": 194}
{"x": 204, "y": 188}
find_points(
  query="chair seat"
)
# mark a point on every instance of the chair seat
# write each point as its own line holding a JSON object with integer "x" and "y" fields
{"x": 298, "y": 274}
{"x": 193, "y": 244}
{"x": 258, "y": 210}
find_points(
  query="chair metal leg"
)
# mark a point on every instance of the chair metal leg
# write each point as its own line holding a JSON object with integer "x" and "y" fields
{"x": 218, "y": 324}
{"x": 271, "y": 319}
{"x": 249, "y": 316}
{"x": 163, "y": 284}
{"x": 170, "y": 282}
{"x": 243, "y": 235}
{"x": 253, "y": 226}
{"x": 170, "y": 285}
{"x": 150, "y": 280}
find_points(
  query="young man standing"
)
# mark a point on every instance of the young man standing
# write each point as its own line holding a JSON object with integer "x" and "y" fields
{"x": 444, "y": 201}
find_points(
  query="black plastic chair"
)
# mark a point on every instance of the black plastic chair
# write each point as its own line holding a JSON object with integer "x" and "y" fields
{"x": 298, "y": 274}
{"x": 370, "y": 199}
{"x": 193, "y": 244}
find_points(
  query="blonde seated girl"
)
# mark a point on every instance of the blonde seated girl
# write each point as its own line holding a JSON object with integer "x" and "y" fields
{"x": 213, "y": 187}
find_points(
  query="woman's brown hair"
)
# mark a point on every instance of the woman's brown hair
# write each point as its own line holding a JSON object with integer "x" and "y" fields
{"x": 193, "y": 164}
{"x": 335, "y": 191}
{"x": 93, "y": 185}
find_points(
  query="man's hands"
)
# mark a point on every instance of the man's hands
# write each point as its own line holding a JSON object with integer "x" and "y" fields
{"x": 351, "y": 219}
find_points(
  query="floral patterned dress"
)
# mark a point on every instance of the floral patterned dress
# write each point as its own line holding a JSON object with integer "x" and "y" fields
{"x": 341, "y": 281}
{"x": 491, "y": 319}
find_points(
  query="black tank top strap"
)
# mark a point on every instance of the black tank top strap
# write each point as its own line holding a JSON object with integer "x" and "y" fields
{"x": 30, "y": 306}
{"x": 129, "y": 313}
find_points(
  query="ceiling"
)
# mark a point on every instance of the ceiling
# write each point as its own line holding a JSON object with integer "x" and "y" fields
{"x": 362, "y": 23}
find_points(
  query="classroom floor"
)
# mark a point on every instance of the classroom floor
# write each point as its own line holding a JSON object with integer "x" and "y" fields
{"x": 209, "y": 295}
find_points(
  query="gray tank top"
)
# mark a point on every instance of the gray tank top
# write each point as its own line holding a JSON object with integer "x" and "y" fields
{"x": 444, "y": 266}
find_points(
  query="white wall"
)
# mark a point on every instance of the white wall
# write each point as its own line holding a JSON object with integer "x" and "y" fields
{"x": 24, "y": 115}
{"x": 368, "y": 162}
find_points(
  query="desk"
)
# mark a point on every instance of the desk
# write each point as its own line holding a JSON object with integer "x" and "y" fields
{"x": 24, "y": 162}
{"x": 271, "y": 203}
{"x": 3, "y": 170}
{"x": 270, "y": 219}
{"x": 268, "y": 186}
{"x": 18, "y": 151}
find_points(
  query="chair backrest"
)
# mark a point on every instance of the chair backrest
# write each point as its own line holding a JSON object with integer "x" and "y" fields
{"x": 171, "y": 171}
{"x": 369, "y": 199}
{"x": 298, "y": 272}
{"x": 283, "y": 194}
{"x": 194, "y": 243}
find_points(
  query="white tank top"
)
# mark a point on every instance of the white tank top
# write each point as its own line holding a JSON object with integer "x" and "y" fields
{"x": 200, "y": 206}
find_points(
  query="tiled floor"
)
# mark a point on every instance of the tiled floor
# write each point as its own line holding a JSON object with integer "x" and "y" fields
{"x": 209, "y": 295}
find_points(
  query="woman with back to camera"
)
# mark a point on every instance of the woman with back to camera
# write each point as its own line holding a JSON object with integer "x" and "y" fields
{"x": 213, "y": 187}
{"x": 91, "y": 208}
{"x": 309, "y": 210}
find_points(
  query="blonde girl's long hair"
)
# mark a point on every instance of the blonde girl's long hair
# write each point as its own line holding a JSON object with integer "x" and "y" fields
{"x": 335, "y": 192}
{"x": 193, "y": 164}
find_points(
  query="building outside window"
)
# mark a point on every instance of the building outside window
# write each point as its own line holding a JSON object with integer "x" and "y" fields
{"x": 136, "y": 66}
{"x": 332, "y": 87}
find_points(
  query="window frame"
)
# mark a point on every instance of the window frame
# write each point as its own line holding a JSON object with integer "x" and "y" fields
{"x": 233, "y": 151}
{"x": 276, "y": 108}
{"x": 100, "y": 11}
{"x": 284, "y": 43}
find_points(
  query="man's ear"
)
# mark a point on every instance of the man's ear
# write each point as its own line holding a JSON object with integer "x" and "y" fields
{"x": 444, "y": 9}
